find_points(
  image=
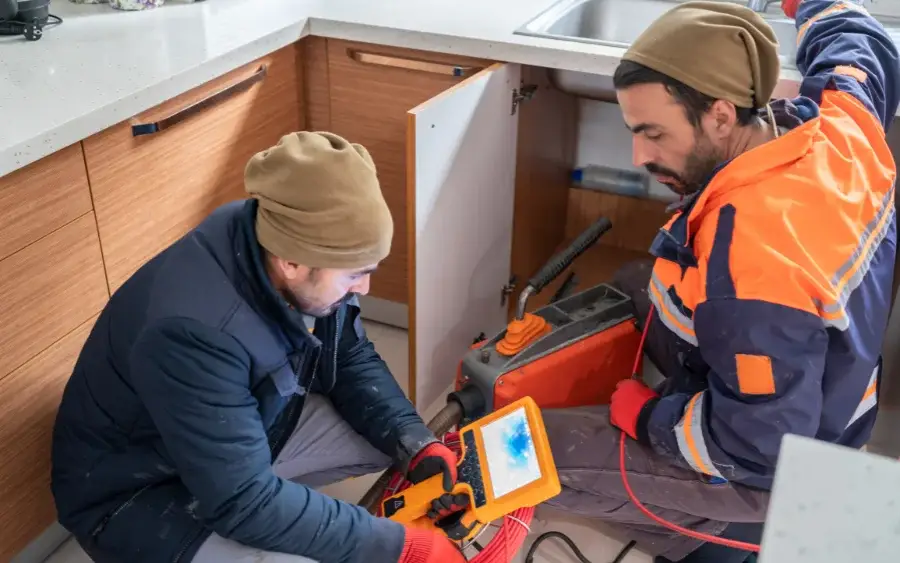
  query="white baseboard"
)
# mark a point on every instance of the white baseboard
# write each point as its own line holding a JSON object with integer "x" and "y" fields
{"x": 43, "y": 546}
{"x": 384, "y": 311}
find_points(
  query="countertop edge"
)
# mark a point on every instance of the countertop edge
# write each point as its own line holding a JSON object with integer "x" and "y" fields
{"x": 81, "y": 127}
{"x": 518, "y": 50}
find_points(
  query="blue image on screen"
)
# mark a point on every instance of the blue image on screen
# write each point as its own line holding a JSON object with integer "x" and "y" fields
{"x": 511, "y": 456}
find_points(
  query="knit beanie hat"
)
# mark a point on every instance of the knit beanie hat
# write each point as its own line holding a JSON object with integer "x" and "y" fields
{"x": 724, "y": 50}
{"x": 320, "y": 204}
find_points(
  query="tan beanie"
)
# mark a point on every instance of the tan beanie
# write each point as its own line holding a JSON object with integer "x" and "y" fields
{"x": 720, "y": 49}
{"x": 320, "y": 203}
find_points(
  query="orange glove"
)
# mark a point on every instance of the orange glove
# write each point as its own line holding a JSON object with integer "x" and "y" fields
{"x": 434, "y": 459}
{"x": 627, "y": 403}
{"x": 425, "y": 546}
{"x": 789, "y": 7}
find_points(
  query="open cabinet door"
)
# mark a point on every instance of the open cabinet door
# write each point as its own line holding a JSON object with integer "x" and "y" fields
{"x": 462, "y": 159}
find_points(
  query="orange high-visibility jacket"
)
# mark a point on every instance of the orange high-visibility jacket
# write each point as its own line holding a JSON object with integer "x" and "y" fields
{"x": 777, "y": 275}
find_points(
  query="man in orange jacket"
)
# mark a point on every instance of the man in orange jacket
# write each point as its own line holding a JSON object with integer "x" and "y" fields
{"x": 771, "y": 284}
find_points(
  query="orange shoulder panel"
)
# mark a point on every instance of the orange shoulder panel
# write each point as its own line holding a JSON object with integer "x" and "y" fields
{"x": 802, "y": 232}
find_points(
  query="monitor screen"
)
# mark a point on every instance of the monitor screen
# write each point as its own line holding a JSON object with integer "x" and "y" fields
{"x": 511, "y": 457}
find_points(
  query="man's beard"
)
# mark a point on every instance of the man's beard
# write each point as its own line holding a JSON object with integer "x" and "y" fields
{"x": 307, "y": 308}
{"x": 698, "y": 168}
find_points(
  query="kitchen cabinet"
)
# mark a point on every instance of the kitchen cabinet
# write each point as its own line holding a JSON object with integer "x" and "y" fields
{"x": 41, "y": 198}
{"x": 51, "y": 270}
{"x": 488, "y": 167}
{"x": 490, "y": 201}
{"x": 157, "y": 175}
{"x": 49, "y": 288}
{"x": 31, "y": 396}
{"x": 76, "y": 224}
{"x": 53, "y": 286}
{"x": 362, "y": 92}
{"x": 475, "y": 170}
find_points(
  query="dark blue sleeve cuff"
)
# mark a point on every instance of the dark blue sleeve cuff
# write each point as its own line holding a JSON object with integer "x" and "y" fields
{"x": 642, "y": 428}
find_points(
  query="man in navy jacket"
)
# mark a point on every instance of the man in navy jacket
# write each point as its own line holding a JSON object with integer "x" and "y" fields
{"x": 231, "y": 374}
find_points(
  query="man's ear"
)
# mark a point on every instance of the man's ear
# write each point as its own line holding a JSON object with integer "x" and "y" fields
{"x": 724, "y": 117}
{"x": 293, "y": 271}
{"x": 285, "y": 269}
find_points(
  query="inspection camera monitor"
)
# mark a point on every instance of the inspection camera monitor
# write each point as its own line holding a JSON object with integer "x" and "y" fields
{"x": 506, "y": 464}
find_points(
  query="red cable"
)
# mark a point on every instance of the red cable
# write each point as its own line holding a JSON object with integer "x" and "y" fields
{"x": 622, "y": 469}
{"x": 508, "y": 540}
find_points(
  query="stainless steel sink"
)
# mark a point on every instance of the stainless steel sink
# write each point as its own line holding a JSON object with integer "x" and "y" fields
{"x": 617, "y": 23}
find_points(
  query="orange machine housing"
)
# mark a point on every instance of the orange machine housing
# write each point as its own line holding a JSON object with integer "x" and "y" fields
{"x": 546, "y": 356}
{"x": 585, "y": 373}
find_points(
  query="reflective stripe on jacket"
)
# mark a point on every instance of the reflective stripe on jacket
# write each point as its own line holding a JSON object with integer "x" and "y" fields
{"x": 779, "y": 271}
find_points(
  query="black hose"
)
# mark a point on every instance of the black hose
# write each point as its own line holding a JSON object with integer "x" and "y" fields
{"x": 565, "y": 289}
{"x": 562, "y": 260}
{"x": 443, "y": 421}
{"x": 529, "y": 558}
{"x": 625, "y": 551}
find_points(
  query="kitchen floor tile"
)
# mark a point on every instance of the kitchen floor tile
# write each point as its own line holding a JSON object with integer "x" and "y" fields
{"x": 392, "y": 344}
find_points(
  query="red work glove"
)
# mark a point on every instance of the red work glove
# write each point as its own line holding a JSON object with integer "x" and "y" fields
{"x": 626, "y": 404}
{"x": 789, "y": 7}
{"x": 434, "y": 459}
{"x": 425, "y": 546}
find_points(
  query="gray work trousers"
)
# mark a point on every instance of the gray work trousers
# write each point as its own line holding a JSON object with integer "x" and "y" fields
{"x": 586, "y": 452}
{"x": 323, "y": 449}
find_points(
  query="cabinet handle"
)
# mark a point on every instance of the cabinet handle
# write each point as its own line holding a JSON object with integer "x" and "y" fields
{"x": 410, "y": 64}
{"x": 197, "y": 107}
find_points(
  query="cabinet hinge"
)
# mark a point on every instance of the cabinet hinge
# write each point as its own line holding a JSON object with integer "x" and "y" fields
{"x": 522, "y": 94}
{"x": 508, "y": 289}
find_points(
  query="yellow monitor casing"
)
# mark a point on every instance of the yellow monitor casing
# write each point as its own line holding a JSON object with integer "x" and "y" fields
{"x": 506, "y": 464}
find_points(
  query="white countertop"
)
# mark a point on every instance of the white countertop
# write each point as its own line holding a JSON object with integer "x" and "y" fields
{"x": 102, "y": 66}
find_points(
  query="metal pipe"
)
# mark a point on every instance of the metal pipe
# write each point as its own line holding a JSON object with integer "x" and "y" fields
{"x": 522, "y": 304}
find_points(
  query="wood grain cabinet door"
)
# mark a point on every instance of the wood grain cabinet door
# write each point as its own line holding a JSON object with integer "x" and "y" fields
{"x": 159, "y": 174}
{"x": 42, "y": 197}
{"x": 370, "y": 90}
{"x": 52, "y": 286}
{"x": 30, "y": 398}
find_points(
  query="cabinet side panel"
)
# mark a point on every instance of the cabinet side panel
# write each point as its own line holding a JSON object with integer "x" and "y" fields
{"x": 545, "y": 156}
{"x": 314, "y": 76}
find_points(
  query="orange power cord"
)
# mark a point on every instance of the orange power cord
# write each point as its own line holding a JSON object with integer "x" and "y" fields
{"x": 622, "y": 469}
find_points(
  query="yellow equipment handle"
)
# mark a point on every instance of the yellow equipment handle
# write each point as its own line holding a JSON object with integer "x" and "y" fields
{"x": 506, "y": 464}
